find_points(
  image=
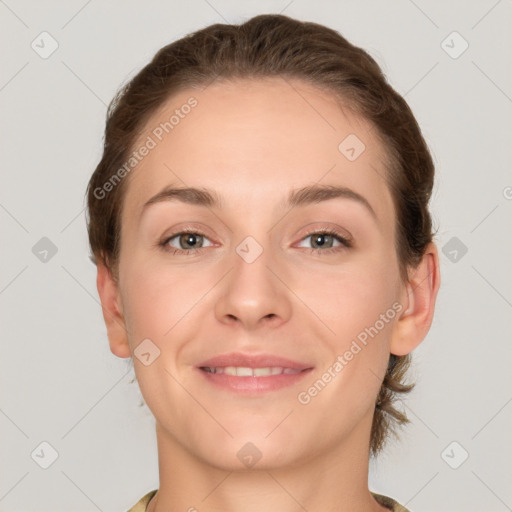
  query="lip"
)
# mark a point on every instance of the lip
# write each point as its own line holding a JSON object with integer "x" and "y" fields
{"x": 253, "y": 385}
{"x": 253, "y": 361}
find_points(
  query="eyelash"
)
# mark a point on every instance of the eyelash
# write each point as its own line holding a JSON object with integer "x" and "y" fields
{"x": 346, "y": 244}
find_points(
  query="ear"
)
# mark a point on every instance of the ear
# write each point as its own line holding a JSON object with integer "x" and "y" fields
{"x": 418, "y": 298}
{"x": 112, "y": 312}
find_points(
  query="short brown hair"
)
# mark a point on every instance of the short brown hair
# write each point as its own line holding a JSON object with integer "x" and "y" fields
{"x": 266, "y": 46}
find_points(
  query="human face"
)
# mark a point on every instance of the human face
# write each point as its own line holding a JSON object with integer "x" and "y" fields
{"x": 253, "y": 281}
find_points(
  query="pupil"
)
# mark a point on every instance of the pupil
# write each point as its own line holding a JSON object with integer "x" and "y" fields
{"x": 189, "y": 239}
{"x": 320, "y": 237}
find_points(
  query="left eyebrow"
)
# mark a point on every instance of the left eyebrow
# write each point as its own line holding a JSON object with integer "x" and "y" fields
{"x": 318, "y": 193}
{"x": 298, "y": 197}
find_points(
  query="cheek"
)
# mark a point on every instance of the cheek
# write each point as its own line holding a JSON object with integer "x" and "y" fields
{"x": 360, "y": 305}
{"x": 162, "y": 300}
{"x": 353, "y": 297}
{"x": 148, "y": 302}
{"x": 361, "y": 313}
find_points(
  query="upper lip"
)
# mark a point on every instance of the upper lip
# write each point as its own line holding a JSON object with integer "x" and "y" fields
{"x": 252, "y": 361}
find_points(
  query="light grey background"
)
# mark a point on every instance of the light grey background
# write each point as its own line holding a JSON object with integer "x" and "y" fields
{"x": 59, "y": 381}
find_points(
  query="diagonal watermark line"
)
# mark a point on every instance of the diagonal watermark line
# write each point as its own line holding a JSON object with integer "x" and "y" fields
{"x": 14, "y": 485}
{"x": 14, "y": 423}
{"x": 81, "y": 491}
{"x": 81, "y": 285}
{"x": 424, "y": 14}
{"x": 501, "y": 409}
{"x": 301, "y": 300}
{"x": 380, "y": 379}
{"x": 431, "y": 430}
{"x": 217, "y": 486}
{"x": 213, "y": 80}
{"x": 13, "y": 279}
{"x": 76, "y": 14}
{"x": 384, "y": 178}
{"x": 287, "y": 492}
{"x": 424, "y": 279}
{"x": 199, "y": 403}
{"x": 13, "y": 217}
{"x": 94, "y": 298}
{"x": 485, "y": 15}
{"x": 198, "y": 300}
{"x": 491, "y": 80}
{"x": 286, "y": 213}
{"x": 508, "y": 508}
{"x": 410, "y": 499}
{"x": 286, "y": 6}
{"x": 216, "y": 11}
{"x": 492, "y": 211}
{"x": 186, "y": 185}
{"x": 104, "y": 395}
{"x": 422, "y": 78}
{"x": 279, "y": 423}
{"x": 14, "y": 76}
{"x": 83, "y": 83}
{"x": 12, "y": 12}
{"x": 72, "y": 220}
{"x": 493, "y": 287}
{"x": 297, "y": 91}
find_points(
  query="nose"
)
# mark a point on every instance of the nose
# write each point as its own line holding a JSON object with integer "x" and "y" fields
{"x": 254, "y": 293}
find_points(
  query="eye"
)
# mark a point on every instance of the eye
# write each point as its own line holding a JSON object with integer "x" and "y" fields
{"x": 325, "y": 239}
{"x": 188, "y": 242}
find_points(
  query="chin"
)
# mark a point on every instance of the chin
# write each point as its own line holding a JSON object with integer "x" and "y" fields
{"x": 255, "y": 449}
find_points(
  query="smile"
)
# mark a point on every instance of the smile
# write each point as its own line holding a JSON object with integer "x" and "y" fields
{"x": 243, "y": 371}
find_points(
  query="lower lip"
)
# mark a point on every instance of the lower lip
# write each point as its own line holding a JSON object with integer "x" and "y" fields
{"x": 254, "y": 385}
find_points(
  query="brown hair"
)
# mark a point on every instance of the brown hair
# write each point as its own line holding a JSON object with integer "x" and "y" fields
{"x": 266, "y": 46}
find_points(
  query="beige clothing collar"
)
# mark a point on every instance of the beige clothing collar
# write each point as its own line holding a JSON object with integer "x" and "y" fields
{"x": 142, "y": 504}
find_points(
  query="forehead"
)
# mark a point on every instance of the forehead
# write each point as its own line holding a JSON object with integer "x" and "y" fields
{"x": 252, "y": 141}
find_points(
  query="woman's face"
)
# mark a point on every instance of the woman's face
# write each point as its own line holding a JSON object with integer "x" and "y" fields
{"x": 299, "y": 324}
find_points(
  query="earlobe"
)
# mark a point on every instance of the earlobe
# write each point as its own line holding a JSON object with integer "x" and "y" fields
{"x": 113, "y": 316}
{"x": 419, "y": 297}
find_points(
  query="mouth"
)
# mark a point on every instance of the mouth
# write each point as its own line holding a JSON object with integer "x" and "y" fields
{"x": 245, "y": 371}
{"x": 248, "y": 374}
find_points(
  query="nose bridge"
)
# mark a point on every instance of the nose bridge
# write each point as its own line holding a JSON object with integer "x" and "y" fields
{"x": 251, "y": 291}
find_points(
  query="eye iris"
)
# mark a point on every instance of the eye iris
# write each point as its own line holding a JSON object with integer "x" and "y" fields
{"x": 188, "y": 238}
{"x": 317, "y": 238}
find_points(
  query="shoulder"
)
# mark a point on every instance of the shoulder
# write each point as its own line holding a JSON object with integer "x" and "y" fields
{"x": 390, "y": 503}
{"x": 141, "y": 505}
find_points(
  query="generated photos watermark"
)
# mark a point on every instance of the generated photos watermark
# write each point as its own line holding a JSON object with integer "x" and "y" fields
{"x": 342, "y": 360}
{"x": 151, "y": 142}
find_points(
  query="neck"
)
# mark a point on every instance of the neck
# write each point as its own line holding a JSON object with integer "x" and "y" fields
{"x": 333, "y": 482}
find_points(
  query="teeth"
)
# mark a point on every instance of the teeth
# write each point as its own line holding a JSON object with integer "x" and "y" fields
{"x": 263, "y": 372}
{"x": 243, "y": 371}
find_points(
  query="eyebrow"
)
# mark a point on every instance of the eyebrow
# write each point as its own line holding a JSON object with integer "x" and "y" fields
{"x": 299, "y": 197}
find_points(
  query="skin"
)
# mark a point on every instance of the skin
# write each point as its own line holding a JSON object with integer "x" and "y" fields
{"x": 253, "y": 141}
